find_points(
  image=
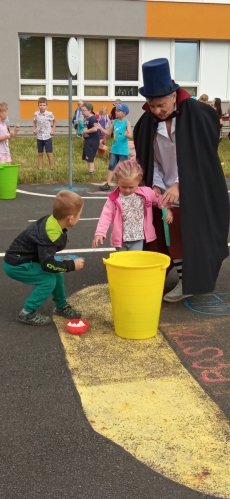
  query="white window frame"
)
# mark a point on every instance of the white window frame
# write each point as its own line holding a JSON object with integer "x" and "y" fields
{"x": 111, "y": 83}
{"x": 183, "y": 84}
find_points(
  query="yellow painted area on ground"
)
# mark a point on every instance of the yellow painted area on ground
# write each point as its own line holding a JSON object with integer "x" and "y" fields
{"x": 138, "y": 394}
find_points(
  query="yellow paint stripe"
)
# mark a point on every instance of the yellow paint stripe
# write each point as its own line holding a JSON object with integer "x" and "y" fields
{"x": 138, "y": 394}
{"x": 187, "y": 20}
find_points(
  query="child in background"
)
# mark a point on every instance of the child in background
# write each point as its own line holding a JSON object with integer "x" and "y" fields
{"x": 90, "y": 135}
{"x": 44, "y": 125}
{"x": 5, "y": 135}
{"x": 203, "y": 98}
{"x": 216, "y": 104}
{"x": 104, "y": 121}
{"x": 129, "y": 210}
{"x": 78, "y": 119}
{"x": 30, "y": 259}
{"x": 113, "y": 110}
{"x": 121, "y": 129}
{"x": 6, "y": 121}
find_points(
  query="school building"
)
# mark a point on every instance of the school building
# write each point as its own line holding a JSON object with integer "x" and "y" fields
{"x": 115, "y": 38}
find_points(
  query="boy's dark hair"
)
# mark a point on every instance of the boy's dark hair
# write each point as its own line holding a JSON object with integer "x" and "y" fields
{"x": 66, "y": 203}
{"x": 43, "y": 99}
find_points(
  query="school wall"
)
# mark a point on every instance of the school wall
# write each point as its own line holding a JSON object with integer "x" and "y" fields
{"x": 157, "y": 24}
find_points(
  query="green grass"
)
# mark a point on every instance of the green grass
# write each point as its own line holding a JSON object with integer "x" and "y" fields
{"x": 24, "y": 152}
{"x": 224, "y": 153}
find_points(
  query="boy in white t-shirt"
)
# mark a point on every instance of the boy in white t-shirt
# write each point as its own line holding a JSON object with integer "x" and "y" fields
{"x": 44, "y": 125}
{"x": 5, "y": 135}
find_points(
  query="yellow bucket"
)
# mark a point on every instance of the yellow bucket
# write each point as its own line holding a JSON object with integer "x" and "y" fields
{"x": 136, "y": 282}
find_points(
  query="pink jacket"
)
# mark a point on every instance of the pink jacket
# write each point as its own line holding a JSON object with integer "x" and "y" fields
{"x": 112, "y": 214}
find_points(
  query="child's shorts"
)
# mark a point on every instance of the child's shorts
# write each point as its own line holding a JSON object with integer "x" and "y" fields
{"x": 90, "y": 149}
{"x": 47, "y": 144}
{"x": 114, "y": 159}
{"x": 5, "y": 158}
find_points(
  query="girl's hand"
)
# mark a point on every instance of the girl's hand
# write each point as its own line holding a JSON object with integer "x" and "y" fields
{"x": 157, "y": 190}
{"x": 79, "y": 263}
{"x": 171, "y": 195}
{"x": 97, "y": 239}
{"x": 97, "y": 126}
{"x": 169, "y": 218}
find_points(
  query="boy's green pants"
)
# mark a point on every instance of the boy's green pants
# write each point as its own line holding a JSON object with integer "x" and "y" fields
{"x": 45, "y": 284}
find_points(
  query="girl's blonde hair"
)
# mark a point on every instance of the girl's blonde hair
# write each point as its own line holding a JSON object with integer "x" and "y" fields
{"x": 128, "y": 169}
{"x": 203, "y": 98}
{"x": 103, "y": 109}
{"x": 3, "y": 107}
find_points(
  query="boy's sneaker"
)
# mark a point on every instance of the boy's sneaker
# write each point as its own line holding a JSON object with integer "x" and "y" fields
{"x": 34, "y": 319}
{"x": 68, "y": 312}
{"x": 105, "y": 187}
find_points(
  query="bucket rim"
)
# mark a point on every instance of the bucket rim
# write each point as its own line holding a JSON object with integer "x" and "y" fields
{"x": 164, "y": 264}
{"x": 5, "y": 165}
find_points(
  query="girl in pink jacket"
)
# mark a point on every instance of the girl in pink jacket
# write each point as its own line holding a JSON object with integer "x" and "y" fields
{"x": 129, "y": 210}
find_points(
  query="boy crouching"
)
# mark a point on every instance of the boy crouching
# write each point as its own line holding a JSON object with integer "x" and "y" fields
{"x": 31, "y": 259}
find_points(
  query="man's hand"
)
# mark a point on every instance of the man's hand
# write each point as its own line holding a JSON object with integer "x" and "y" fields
{"x": 97, "y": 239}
{"x": 171, "y": 195}
{"x": 79, "y": 263}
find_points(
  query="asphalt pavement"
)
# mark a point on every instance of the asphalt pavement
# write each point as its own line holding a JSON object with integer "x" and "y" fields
{"x": 49, "y": 447}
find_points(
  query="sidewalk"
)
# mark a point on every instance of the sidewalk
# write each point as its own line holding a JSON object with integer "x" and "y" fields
{"x": 27, "y": 131}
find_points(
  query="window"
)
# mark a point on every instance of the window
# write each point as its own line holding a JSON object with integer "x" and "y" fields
{"x": 126, "y": 60}
{"x": 95, "y": 91}
{"x": 191, "y": 90}
{"x": 60, "y": 66}
{"x": 186, "y": 61}
{"x": 63, "y": 90}
{"x": 108, "y": 68}
{"x": 126, "y": 68}
{"x": 32, "y": 57}
{"x": 127, "y": 91}
{"x": 33, "y": 90}
{"x": 95, "y": 59}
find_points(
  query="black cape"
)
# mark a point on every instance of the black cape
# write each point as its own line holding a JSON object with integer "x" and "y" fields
{"x": 204, "y": 201}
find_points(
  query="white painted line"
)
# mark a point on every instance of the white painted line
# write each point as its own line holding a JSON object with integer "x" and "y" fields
{"x": 80, "y": 220}
{"x": 54, "y": 196}
{"x": 36, "y": 194}
{"x": 85, "y": 250}
{"x": 89, "y": 250}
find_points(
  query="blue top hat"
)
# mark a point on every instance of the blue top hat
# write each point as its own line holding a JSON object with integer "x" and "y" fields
{"x": 157, "y": 79}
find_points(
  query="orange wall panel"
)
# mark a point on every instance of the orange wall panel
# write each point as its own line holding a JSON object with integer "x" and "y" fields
{"x": 58, "y": 108}
{"x": 187, "y": 20}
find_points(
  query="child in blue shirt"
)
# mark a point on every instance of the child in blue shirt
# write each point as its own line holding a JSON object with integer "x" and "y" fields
{"x": 121, "y": 130}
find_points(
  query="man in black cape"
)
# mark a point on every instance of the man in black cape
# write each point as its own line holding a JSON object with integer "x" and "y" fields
{"x": 196, "y": 185}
